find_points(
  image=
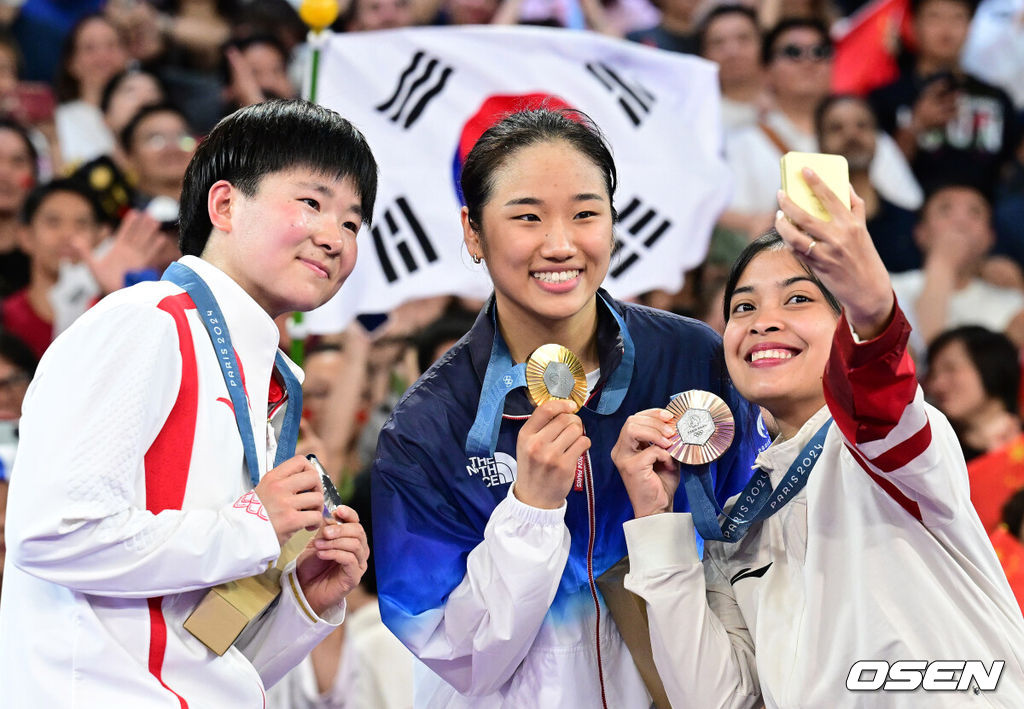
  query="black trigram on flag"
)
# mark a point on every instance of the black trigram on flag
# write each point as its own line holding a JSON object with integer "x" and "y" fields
{"x": 419, "y": 84}
{"x": 643, "y": 227}
{"x": 633, "y": 97}
{"x": 403, "y": 232}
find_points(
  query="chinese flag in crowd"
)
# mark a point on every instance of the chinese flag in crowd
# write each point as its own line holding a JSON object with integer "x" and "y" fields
{"x": 868, "y": 47}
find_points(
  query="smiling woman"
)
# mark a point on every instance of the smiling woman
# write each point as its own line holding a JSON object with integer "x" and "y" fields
{"x": 858, "y": 524}
{"x": 491, "y": 529}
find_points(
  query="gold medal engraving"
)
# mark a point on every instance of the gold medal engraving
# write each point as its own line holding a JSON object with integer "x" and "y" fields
{"x": 554, "y": 372}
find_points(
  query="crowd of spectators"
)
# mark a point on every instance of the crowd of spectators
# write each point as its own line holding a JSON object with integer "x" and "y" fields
{"x": 102, "y": 105}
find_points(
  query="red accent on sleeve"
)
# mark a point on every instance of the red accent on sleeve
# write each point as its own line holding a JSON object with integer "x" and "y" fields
{"x": 168, "y": 459}
{"x": 869, "y": 384}
{"x": 902, "y": 453}
{"x": 894, "y": 492}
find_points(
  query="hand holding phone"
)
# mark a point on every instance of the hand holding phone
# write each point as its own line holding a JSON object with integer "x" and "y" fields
{"x": 833, "y": 171}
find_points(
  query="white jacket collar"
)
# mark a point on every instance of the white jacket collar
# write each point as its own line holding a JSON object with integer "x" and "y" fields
{"x": 777, "y": 457}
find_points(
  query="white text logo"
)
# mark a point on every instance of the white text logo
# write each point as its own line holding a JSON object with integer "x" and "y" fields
{"x": 937, "y": 676}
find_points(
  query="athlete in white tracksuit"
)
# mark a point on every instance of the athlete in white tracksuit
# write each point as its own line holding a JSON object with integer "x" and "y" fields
{"x": 880, "y": 557}
{"x": 131, "y": 495}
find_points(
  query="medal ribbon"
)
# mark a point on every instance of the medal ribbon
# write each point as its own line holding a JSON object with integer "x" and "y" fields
{"x": 758, "y": 500}
{"x": 187, "y": 279}
{"x": 503, "y": 375}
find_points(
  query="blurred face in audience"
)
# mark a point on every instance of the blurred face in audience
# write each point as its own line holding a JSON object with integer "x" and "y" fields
{"x": 13, "y": 385}
{"x": 99, "y": 53}
{"x": 954, "y": 384}
{"x": 801, "y": 65}
{"x": 733, "y": 42}
{"x": 962, "y": 210}
{"x": 17, "y": 173}
{"x": 941, "y": 30}
{"x": 471, "y": 12}
{"x": 62, "y": 229}
{"x": 161, "y": 149}
{"x": 134, "y": 91}
{"x": 270, "y": 70}
{"x": 323, "y": 370}
{"x": 381, "y": 15}
{"x": 848, "y": 129}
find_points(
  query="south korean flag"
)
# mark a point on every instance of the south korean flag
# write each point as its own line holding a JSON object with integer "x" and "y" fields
{"x": 423, "y": 96}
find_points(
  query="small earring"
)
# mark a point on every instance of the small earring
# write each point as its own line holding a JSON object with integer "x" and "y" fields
{"x": 476, "y": 259}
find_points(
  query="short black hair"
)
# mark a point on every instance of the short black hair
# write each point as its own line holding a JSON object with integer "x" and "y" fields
{"x": 451, "y": 325}
{"x": 722, "y": 11}
{"x": 13, "y": 126}
{"x": 523, "y": 129}
{"x": 769, "y": 241}
{"x": 993, "y": 354}
{"x": 132, "y": 126}
{"x": 40, "y": 194}
{"x": 787, "y": 24}
{"x": 270, "y": 137}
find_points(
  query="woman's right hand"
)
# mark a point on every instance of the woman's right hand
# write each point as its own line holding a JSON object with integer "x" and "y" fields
{"x": 649, "y": 472}
{"x": 547, "y": 450}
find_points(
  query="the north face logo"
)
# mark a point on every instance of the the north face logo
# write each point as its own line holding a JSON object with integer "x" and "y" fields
{"x": 499, "y": 470}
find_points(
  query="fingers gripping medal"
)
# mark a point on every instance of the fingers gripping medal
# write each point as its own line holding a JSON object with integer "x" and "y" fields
{"x": 554, "y": 372}
{"x": 704, "y": 427}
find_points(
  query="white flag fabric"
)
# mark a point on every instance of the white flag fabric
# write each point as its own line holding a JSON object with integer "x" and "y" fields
{"x": 423, "y": 95}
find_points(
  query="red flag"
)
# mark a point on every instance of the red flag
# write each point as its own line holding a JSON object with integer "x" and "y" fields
{"x": 866, "y": 51}
{"x": 994, "y": 477}
{"x": 1011, "y": 556}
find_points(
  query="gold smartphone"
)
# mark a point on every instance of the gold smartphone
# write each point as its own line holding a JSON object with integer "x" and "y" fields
{"x": 832, "y": 169}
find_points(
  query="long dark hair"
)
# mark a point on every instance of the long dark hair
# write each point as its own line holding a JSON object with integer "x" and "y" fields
{"x": 769, "y": 241}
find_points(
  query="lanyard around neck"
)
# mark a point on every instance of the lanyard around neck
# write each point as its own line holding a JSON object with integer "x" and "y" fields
{"x": 758, "y": 500}
{"x": 210, "y": 313}
{"x": 503, "y": 375}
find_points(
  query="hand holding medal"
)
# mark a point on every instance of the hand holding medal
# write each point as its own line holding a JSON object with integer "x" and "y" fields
{"x": 695, "y": 428}
{"x": 552, "y": 440}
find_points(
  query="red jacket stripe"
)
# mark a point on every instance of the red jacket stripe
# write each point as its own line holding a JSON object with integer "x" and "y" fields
{"x": 167, "y": 463}
{"x": 894, "y": 492}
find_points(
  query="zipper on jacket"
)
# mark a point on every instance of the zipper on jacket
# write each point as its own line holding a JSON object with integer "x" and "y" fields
{"x": 592, "y": 531}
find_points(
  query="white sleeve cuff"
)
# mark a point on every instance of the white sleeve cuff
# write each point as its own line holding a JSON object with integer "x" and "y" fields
{"x": 660, "y": 541}
{"x": 534, "y": 515}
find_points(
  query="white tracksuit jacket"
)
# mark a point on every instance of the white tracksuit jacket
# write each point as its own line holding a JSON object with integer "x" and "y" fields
{"x": 880, "y": 557}
{"x": 129, "y": 499}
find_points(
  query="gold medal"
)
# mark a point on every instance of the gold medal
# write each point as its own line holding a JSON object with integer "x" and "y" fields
{"x": 554, "y": 372}
{"x": 704, "y": 427}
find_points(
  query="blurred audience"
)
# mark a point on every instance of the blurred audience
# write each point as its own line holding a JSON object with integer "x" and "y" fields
{"x": 951, "y": 125}
{"x": 157, "y": 145}
{"x": 93, "y": 53}
{"x": 846, "y": 126}
{"x": 18, "y": 173}
{"x": 61, "y": 221}
{"x": 729, "y": 36}
{"x": 955, "y": 235}
{"x": 974, "y": 378}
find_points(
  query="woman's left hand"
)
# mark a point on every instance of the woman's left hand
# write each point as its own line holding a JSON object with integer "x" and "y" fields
{"x": 841, "y": 254}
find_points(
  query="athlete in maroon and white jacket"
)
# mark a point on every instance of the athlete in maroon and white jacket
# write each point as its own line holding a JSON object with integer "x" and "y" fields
{"x": 880, "y": 557}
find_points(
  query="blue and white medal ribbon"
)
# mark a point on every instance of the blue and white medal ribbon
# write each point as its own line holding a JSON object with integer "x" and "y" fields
{"x": 210, "y": 313}
{"x": 758, "y": 500}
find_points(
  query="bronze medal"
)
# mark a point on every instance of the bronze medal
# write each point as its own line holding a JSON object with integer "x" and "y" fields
{"x": 554, "y": 372}
{"x": 704, "y": 427}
